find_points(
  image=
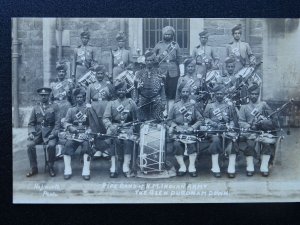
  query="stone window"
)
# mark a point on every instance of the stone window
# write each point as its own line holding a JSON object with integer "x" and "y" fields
{"x": 152, "y": 32}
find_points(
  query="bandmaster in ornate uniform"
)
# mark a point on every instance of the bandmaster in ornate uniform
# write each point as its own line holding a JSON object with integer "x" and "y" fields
{"x": 43, "y": 127}
{"x": 150, "y": 90}
{"x": 184, "y": 119}
{"x": 117, "y": 113}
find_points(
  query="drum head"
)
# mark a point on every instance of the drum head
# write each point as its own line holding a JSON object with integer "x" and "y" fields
{"x": 211, "y": 75}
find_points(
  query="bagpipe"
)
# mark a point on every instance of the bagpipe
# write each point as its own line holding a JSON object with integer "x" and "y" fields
{"x": 267, "y": 137}
{"x": 242, "y": 77}
{"x": 260, "y": 117}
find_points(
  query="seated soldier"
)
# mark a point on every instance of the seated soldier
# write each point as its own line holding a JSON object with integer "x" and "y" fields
{"x": 43, "y": 127}
{"x": 117, "y": 112}
{"x": 219, "y": 115}
{"x": 76, "y": 125}
{"x": 254, "y": 116}
{"x": 184, "y": 119}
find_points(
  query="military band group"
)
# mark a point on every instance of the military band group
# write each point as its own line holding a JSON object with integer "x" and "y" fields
{"x": 203, "y": 102}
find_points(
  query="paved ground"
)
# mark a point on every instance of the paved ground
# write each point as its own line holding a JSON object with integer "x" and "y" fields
{"x": 283, "y": 185}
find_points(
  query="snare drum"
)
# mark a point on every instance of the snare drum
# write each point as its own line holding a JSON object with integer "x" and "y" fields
{"x": 152, "y": 148}
{"x": 87, "y": 79}
{"x": 211, "y": 76}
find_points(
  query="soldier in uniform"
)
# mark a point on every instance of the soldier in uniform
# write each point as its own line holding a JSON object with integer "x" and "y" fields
{"x": 76, "y": 124}
{"x": 189, "y": 78}
{"x": 43, "y": 127}
{"x": 121, "y": 57}
{"x": 62, "y": 93}
{"x": 150, "y": 90}
{"x": 116, "y": 114}
{"x": 205, "y": 52}
{"x": 97, "y": 97}
{"x": 240, "y": 50}
{"x": 62, "y": 90}
{"x": 169, "y": 57}
{"x": 83, "y": 58}
{"x": 254, "y": 116}
{"x": 219, "y": 115}
{"x": 185, "y": 118}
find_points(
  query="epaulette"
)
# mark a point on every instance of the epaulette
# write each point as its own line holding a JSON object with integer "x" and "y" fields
{"x": 198, "y": 46}
{"x": 174, "y": 42}
{"x": 230, "y": 43}
{"x": 79, "y": 46}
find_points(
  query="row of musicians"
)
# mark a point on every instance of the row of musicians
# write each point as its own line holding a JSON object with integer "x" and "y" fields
{"x": 44, "y": 126}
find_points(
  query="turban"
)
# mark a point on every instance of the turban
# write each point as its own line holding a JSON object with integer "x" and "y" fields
{"x": 61, "y": 66}
{"x": 189, "y": 61}
{"x": 78, "y": 91}
{"x": 121, "y": 36}
{"x": 203, "y": 33}
{"x": 229, "y": 60}
{"x": 168, "y": 28}
{"x": 237, "y": 27}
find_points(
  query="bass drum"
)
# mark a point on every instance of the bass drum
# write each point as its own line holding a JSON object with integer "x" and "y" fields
{"x": 151, "y": 156}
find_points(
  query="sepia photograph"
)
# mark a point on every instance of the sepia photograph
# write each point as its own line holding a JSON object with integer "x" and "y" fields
{"x": 155, "y": 110}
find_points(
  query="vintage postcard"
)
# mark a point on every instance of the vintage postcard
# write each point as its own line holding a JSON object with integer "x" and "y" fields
{"x": 155, "y": 110}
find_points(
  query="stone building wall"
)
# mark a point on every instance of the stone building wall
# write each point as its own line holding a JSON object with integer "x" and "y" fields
{"x": 271, "y": 41}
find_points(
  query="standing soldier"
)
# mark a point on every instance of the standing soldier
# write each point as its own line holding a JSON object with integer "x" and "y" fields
{"x": 83, "y": 58}
{"x": 205, "y": 52}
{"x": 62, "y": 93}
{"x": 76, "y": 125}
{"x": 254, "y": 116}
{"x": 198, "y": 89}
{"x": 62, "y": 90}
{"x": 97, "y": 97}
{"x": 169, "y": 57}
{"x": 240, "y": 50}
{"x": 219, "y": 115}
{"x": 150, "y": 90}
{"x": 118, "y": 112}
{"x": 43, "y": 127}
{"x": 121, "y": 57}
{"x": 185, "y": 118}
